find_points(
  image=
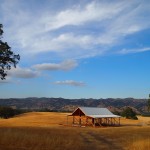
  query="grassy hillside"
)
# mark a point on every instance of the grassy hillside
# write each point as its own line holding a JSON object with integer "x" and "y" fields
{"x": 44, "y": 131}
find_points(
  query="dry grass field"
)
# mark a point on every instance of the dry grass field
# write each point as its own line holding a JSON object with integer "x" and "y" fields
{"x": 44, "y": 131}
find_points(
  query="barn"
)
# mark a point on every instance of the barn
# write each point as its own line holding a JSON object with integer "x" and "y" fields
{"x": 93, "y": 116}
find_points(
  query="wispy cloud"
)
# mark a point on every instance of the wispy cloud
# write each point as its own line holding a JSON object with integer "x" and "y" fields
{"x": 138, "y": 50}
{"x": 77, "y": 31}
{"x": 70, "y": 82}
{"x": 78, "y": 15}
{"x": 65, "y": 65}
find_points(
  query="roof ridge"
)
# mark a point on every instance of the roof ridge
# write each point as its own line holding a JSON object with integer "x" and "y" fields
{"x": 91, "y": 107}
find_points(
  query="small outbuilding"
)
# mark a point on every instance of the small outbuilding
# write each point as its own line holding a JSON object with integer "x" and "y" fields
{"x": 93, "y": 116}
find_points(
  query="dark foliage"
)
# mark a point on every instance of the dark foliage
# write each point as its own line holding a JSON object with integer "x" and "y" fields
{"x": 117, "y": 113}
{"x": 8, "y": 112}
{"x": 129, "y": 113}
{"x": 7, "y": 57}
{"x": 146, "y": 114}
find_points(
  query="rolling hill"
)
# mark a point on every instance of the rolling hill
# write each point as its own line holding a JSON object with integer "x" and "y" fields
{"x": 61, "y": 104}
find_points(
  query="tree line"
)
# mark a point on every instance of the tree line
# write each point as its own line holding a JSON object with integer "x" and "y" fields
{"x": 8, "y": 112}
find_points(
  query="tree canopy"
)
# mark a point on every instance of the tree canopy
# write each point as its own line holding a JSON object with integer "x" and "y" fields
{"x": 129, "y": 113}
{"x": 7, "y": 57}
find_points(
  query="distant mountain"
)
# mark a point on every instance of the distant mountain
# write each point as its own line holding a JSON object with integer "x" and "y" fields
{"x": 61, "y": 104}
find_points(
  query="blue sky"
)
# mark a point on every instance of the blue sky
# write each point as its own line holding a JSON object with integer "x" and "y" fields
{"x": 77, "y": 49}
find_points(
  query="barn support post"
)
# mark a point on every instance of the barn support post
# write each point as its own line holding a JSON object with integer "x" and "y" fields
{"x": 86, "y": 120}
{"x": 100, "y": 121}
{"x": 111, "y": 122}
{"x": 106, "y": 121}
{"x": 93, "y": 121}
{"x": 114, "y": 121}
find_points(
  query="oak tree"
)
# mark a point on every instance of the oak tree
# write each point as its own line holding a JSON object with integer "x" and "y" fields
{"x": 7, "y": 56}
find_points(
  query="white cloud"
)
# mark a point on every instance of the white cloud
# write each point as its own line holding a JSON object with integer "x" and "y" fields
{"x": 34, "y": 72}
{"x": 25, "y": 73}
{"x": 70, "y": 82}
{"x": 60, "y": 44}
{"x": 138, "y": 50}
{"x": 74, "y": 32}
{"x": 80, "y": 15}
{"x": 65, "y": 65}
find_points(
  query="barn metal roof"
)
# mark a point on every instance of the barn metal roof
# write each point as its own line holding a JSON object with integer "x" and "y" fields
{"x": 95, "y": 112}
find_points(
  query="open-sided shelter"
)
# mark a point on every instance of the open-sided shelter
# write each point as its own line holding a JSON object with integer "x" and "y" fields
{"x": 93, "y": 116}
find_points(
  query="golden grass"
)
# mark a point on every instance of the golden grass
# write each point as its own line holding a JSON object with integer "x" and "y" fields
{"x": 42, "y": 131}
{"x": 35, "y": 119}
{"x": 38, "y": 139}
{"x": 141, "y": 121}
{"x": 139, "y": 143}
